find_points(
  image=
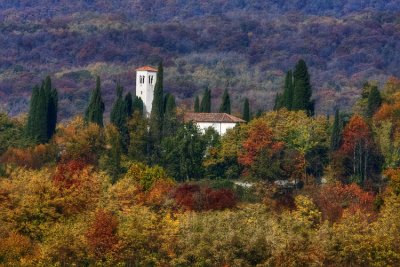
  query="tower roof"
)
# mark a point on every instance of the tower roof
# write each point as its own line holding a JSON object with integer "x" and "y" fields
{"x": 146, "y": 68}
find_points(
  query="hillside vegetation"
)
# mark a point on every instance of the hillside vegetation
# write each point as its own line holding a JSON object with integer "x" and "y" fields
{"x": 287, "y": 188}
{"x": 245, "y": 46}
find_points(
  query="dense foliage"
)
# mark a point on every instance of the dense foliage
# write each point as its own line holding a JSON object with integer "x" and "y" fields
{"x": 283, "y": 189}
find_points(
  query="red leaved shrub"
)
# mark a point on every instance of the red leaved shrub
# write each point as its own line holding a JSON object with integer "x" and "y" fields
{"x": 102, "y": 234}
{"x": 33, "y": 158}
{"x": 332, "y": 200}
{"x": 194, "y": 197}
{"x": 66, "y": 172}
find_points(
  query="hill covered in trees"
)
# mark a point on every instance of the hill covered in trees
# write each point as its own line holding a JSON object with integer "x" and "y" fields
{"x": 286, "y": 188}
{"x": 245, "y": 46}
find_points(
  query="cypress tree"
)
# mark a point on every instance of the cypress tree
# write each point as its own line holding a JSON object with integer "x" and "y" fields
{"x": 170, "y": 119}
{"x": 95, "y": 109}
{"x": 205, "y": 105}
{"x": 119, "y": 117}
{"x": 287, "y": 98}
{"x": 111, "y": 160}
{"x": 226, "y": 103}
{"x": 137, "y": 105}
{"x": 42, "y": 117}
{"x": 278, "y": 104}
{"x": 302, "y": 89}
{"x": 374, "y": 101}
{"x": 32, "y": 129}
{"x": 52, "y": 107}
{"x": 246, "y": 110}
{"x": 196, "y": 104}
{"x": 336, "y": 134}
{"x": 157, "y": 113}
{"x": 128, "y": 104}
{"x": 166, "y": 96}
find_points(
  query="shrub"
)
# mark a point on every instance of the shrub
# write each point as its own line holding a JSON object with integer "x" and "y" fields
{"x": 195, "y": 197}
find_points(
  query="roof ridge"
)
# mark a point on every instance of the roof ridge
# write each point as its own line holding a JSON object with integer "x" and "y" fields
{"x": 211, "y": 117}
{"x": 146, "y": 68}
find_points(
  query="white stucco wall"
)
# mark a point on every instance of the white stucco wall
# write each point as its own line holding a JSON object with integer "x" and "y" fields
{"x": 220, "y": 127}
{"x": 146, "y": 90}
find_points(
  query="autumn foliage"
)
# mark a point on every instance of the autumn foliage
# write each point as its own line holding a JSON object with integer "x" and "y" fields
{"x": 33, "y": 158}
{"x": 195, "y": 197}
{"x": 102, "y": 234}
{"x": 356, "y": 133}
{"x": 333, "y": 200}
{"x": 260, "y": 138}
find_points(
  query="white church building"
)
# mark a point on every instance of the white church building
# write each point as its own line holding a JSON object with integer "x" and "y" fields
{"x": 220, "y": 122}
{"x": 145, "y": 81}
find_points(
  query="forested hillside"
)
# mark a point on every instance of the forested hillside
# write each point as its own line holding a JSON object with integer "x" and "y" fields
{"x": 285, "y": 188}
{"x": 245, "y": 46}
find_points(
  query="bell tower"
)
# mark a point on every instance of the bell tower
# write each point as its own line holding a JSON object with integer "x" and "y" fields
{"x": 145, "y": 80}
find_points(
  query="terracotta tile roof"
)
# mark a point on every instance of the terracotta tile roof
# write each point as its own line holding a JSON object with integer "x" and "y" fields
{"x": 211, "y": 117}
{"x": 146, "y": 68}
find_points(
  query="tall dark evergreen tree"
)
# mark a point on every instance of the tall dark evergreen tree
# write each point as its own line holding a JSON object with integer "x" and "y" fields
{"x": 111, "y": 160}
{"x": 374, "y": 101}
{"x": 246, "y": 110}
{"x": 205, "y": 105}
{"x": 336, "y": 135}
{"x": 226, "y": 103}
{"x": 42, "y": 112}
{"x": 52, "y": 110}
{"x": 137, "y": 105}
{"x": 170, "y": 119}
{"x": 157, "y": 114}
{"x": 119, "y": 117}
{"x": 287, "y": 98}
{"x": 166, "y": 97}
{"x": 302, "y": 89}
{"x": 33, "y": 124}
{"x": 95, "y": 109}
{"x": 42, "y": 117}
{"x": 129, "y": 104}
{"x": 183, "y": 153}
{"x": 278, "y": 104}
{"x": 197, "y": 104}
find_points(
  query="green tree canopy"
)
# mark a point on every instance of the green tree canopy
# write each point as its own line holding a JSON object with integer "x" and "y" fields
{"x": 137, "y": 105}
{"x": 170, "y": 119}
{"x": 337, "y": 129}
{"x": 129, "y": 104}
{"x": 197, "y": 104}
{"x": 205, "y": 105}
{"x": 302, "y": 89}
{"x": 157, "y": 114}
{"x": 95, "y": 109}
{"x": 246, "y": 110}
{"x": 119, "y": 117}
{"x": 374, "y": 101}
{"x": 42, "y": 116}
{"x": 225, "y": 103}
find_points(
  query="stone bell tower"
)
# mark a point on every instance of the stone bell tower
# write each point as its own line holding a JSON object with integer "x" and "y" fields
{"x": 145, "y": 80}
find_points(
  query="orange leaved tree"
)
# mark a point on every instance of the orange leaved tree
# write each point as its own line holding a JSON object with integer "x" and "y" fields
{"x": 361, "y": 160}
